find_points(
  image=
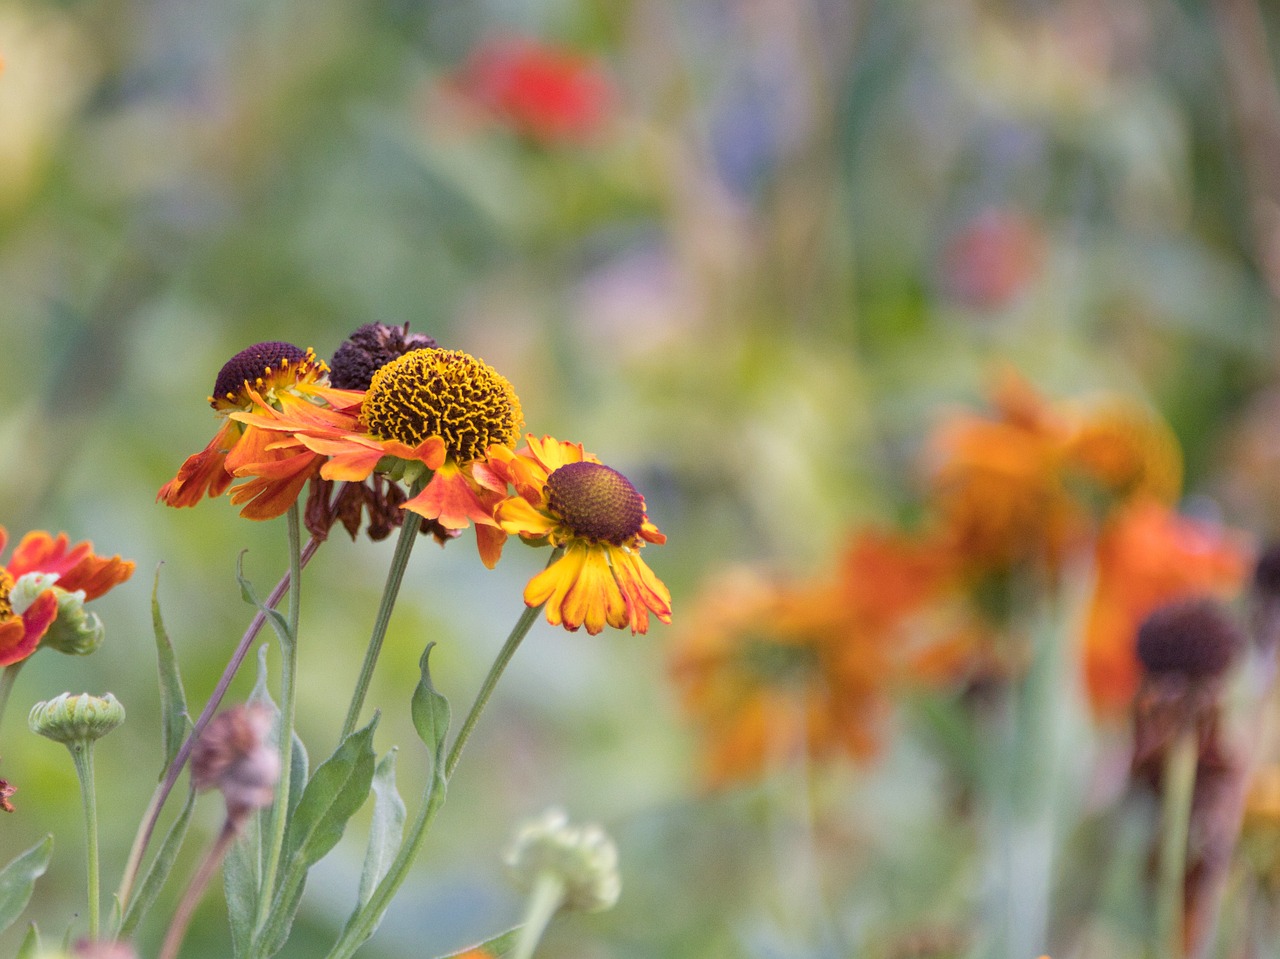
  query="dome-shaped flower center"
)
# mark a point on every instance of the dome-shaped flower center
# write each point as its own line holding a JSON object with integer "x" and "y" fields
{"x": 596, "y": 502}
{"x": 370, "y": 348}
{"x": 6, "y": 586}
{"x": 264, "y": 367}
{"x": 444, "y": 393}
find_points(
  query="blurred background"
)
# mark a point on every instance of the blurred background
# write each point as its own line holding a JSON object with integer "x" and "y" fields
{"x": 743, "y": 250}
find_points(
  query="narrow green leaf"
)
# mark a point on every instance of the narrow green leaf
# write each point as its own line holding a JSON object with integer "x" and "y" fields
{"x": 298, "y": 776}
{"x": 385, "y": 830}
{"x": 241, "y": 880}
{"x": 430, "y": 710}
{"x": 174, "y": 720}
{"x": 498, "y": 946}
{"x": 276, "y": 619}
{"x": 158, "y": 872}
{"x": 30, "y": 947}
{"x": 18, "y": 879}
{"x": 338, "y": 789}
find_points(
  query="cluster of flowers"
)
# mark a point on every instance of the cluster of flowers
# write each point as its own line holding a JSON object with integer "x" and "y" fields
{"x": 395, "y": 410}
{"x": 1020, "y": 497}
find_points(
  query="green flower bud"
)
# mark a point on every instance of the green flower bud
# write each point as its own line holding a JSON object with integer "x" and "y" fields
{"x": 76, "y": 719}
{"x": 583, "y": 858}
{"x": 75, "y": 631}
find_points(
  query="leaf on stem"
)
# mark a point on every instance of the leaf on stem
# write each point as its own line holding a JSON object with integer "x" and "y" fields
{"x": 30, "y": 947}
{"x": 338, "y": 789}
{"x": 174, "y": 719}
{"x": 430, "y": 710}
{"x": 386, "y": 829}
{"x": 276, "y": 618}
{"x": 18, "y": 880}
{"x": 159, "y": 871}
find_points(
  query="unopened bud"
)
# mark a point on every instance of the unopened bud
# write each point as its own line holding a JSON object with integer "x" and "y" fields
{"x": 76, "y": 719}
{"x": 233, "y": 757}
{"x": 75, "y": 631}
{"x": 583, "y": 858}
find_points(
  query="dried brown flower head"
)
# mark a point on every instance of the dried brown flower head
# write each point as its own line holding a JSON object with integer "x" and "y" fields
{"x": 233, "y": 757}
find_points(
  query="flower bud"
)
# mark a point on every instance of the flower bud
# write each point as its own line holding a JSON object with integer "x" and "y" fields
{"x": 74, "y": 631}
{"x": 1195, "y": 638}
{"x": 233, "y": 757}
{"x": 76, "y": 719}
{"x": 583, "y": 858}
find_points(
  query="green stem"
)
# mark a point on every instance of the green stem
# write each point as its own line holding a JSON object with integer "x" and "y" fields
{"x": 288, "y": 707}
{"x": 366, "y": 919}
{"x": 518, "y": 633}
{"x": 8, "y": 676}
{"x": 1179, "y": 789}
{"x": 545, "y": 901}
{"x": 395, "y": 575}
{"x": 82, "y": 754}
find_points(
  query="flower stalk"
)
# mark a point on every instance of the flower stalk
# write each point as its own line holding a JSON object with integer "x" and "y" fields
{"x": 1179, "y": 791}
{"x": 82, "y": 756}
{"x": 391, "y": 590}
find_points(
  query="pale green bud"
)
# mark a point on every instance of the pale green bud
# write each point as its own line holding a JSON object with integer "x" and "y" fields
{"x": 583, "y": 858}
{"x": 76, "y": 719}
{"x": 75, "y": 631}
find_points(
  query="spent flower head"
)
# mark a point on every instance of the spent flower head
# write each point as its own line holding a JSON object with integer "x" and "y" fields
{"x": 370, "y": 348}
{"x": 232, "y": 755}
{"x": 583, "y": 858}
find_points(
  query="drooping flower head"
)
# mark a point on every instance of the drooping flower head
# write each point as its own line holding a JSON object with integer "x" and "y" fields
{"x": 272, "y": 374}
{"x": 429, "y": 411}
{"x": 43, "y": 589}
{"x": 567, "y": 498}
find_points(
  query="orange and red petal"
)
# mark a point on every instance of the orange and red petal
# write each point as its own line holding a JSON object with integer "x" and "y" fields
{"x": 20, "y": 635}
{"x": 38, "y": 552}
{"x": 203, "y": 472}
{"x": 552, "y": 584}
{"x": 643, "y": 591}
{"x": 452, "y": 500}
{"x": 96, "y": 575}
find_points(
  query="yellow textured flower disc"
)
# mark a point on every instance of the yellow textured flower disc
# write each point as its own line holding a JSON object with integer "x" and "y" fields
{"x": 263, "y": 366}
{"x": 444, "y": 393}
{"x": 596, "y": 502}
{"x": 6, "y": 586}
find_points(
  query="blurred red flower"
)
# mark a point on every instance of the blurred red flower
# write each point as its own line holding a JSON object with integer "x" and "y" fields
{"x": 992, "y": 258}
{"x": 550, "y": 94}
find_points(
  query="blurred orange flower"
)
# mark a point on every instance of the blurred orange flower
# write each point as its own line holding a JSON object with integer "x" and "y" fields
{"x": 43, "y": 570}
{"x": 548, "y": 93}
{"x": 767, "y": 671}
{"x": 1148, "y": 556}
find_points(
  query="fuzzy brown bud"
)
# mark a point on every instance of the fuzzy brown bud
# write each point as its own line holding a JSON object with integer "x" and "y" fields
{"x": 233, "y": 757}
{"x": 1196, "y": 639}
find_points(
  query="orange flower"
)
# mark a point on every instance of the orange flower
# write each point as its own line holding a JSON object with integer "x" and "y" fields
{"x": 273, "y": 376}
{"x": 46, "y": 575}
{"x": 767, "y": 671}
{"x": 1031, "y": 480}
{"x": 567, "y": 498}
{"x": 549, "y": 94}
{"x": 429, "y": 411}
{"x": 1149, "y": 556}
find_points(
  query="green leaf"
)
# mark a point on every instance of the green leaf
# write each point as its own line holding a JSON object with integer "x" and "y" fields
{"x": 241, "y": 881}
{"x": 174, "y": 720}
{"x": 158, "y": 872}
{"x": 298, "y": 765}
{"x": 18, "y": 879}
{"x": 276, "y": 619}
{"x": 385, "y": 830}
{"x": 430, "y": 710}
{"x": 30, "y": 947}
{"x": 338, "y": 789}
{"x": 498, "y": 946}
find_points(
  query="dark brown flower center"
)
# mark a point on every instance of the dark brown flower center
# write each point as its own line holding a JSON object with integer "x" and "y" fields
{"x": 444, "y": 393}
{"x": 370, "y": 348}
{"x": 596, "y": 502}
{"x": 251, "y": 366}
